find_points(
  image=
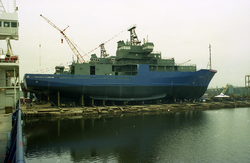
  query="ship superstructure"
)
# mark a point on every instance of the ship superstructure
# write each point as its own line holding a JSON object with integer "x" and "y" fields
{"x": 9, "y": 62}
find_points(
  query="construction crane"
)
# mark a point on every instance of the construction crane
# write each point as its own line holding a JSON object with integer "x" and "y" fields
{"x": 225, "y": 89}
{"x": 71, "y": 45}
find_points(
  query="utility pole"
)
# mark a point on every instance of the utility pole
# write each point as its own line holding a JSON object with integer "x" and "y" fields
{"x": 247, "y": 84}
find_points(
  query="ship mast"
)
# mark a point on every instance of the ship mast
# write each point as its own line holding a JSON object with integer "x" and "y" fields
{"x": 2, "y": 9}
{"x": 133, "y": 37}
{"x": 210, "y": 63}
{"x": 103, "y": 51}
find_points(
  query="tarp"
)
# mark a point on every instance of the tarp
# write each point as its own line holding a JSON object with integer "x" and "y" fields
{"x": 221, "y": 95}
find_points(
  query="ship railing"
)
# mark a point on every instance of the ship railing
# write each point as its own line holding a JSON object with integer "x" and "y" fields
{"x": 184, "y": 64}
{"x": 169, "y": 58}
{"x": 155, "y": 52}
{"x": 15, "y": 151}
{"x": 11, "y": 84}
{"x": 9, "y": 59}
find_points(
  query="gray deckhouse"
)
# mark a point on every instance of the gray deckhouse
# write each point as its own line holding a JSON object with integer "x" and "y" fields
{"x": 128, "y": 56}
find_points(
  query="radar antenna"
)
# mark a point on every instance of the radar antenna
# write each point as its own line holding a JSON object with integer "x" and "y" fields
{"x": 133, "y": 37}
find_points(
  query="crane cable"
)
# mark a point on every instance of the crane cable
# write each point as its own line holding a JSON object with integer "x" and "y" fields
{"x": 178, "y": 39}
{"x": 86, "y": 54}
{"x": 109, "y": 39}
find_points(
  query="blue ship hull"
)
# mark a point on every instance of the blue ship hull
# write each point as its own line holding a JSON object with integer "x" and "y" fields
{"x": 146, "y": 85}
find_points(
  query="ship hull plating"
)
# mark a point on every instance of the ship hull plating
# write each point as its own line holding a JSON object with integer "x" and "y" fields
{"x": 146, "y": 85}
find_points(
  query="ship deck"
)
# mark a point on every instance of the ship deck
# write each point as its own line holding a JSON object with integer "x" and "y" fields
{"x": 5, "y": 127}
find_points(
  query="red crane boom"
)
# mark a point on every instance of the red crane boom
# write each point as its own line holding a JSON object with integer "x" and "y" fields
{"x": 71, "y": 45}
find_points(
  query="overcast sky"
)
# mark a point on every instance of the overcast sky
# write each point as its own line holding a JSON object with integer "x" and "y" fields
{"x": 182, "y": 29}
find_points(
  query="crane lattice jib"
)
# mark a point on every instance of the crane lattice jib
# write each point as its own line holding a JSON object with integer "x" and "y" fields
{"x": 71, "y": 45}
{"x": 225, "y": 89}
{"x": 73, "y": 48}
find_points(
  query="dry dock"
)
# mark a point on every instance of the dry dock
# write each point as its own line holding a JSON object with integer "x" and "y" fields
{"x": 47, "y": 110}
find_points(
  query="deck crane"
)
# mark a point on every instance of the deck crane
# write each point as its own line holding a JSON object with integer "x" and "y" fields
{"x": 184, "y": 62}
{"x": 71, "y": 45}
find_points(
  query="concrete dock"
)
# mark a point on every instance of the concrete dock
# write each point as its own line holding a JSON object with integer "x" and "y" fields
{"x": 5, "y": 127}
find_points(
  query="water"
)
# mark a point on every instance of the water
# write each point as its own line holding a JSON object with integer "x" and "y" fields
{"x": 201, "y": 136}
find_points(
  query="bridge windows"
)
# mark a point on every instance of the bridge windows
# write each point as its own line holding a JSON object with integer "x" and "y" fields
{"x": 95, "y": 59}
{"x": 8, "y": 28}
{"x": 124, "y": 47}
{"x": 14, "y": 24}
{"x": 6, "y": 24}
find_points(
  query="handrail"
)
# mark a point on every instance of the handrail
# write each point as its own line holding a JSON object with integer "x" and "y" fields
{"x": 19, "y": 144}
{"x": 15, "y": 152}
{"x": 9, "y": 59}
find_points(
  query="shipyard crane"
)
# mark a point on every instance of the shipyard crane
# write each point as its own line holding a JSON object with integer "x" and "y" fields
{"x": 71, "y": 45}
{"x": 225, "y": 89}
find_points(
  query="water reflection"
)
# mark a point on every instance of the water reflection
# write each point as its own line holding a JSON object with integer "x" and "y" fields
{"x": 182, "y": 137}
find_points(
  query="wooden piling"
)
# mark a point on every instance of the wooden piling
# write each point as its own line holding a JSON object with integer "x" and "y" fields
{"x": 58, "y": 99}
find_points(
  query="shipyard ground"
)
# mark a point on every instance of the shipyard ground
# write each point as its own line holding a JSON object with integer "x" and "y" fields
{"x": 98, "y": 111}
{"x": 5, "y": 127}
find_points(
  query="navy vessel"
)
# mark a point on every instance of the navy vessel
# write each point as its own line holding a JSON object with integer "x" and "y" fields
{"x": 136, "y": 73}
